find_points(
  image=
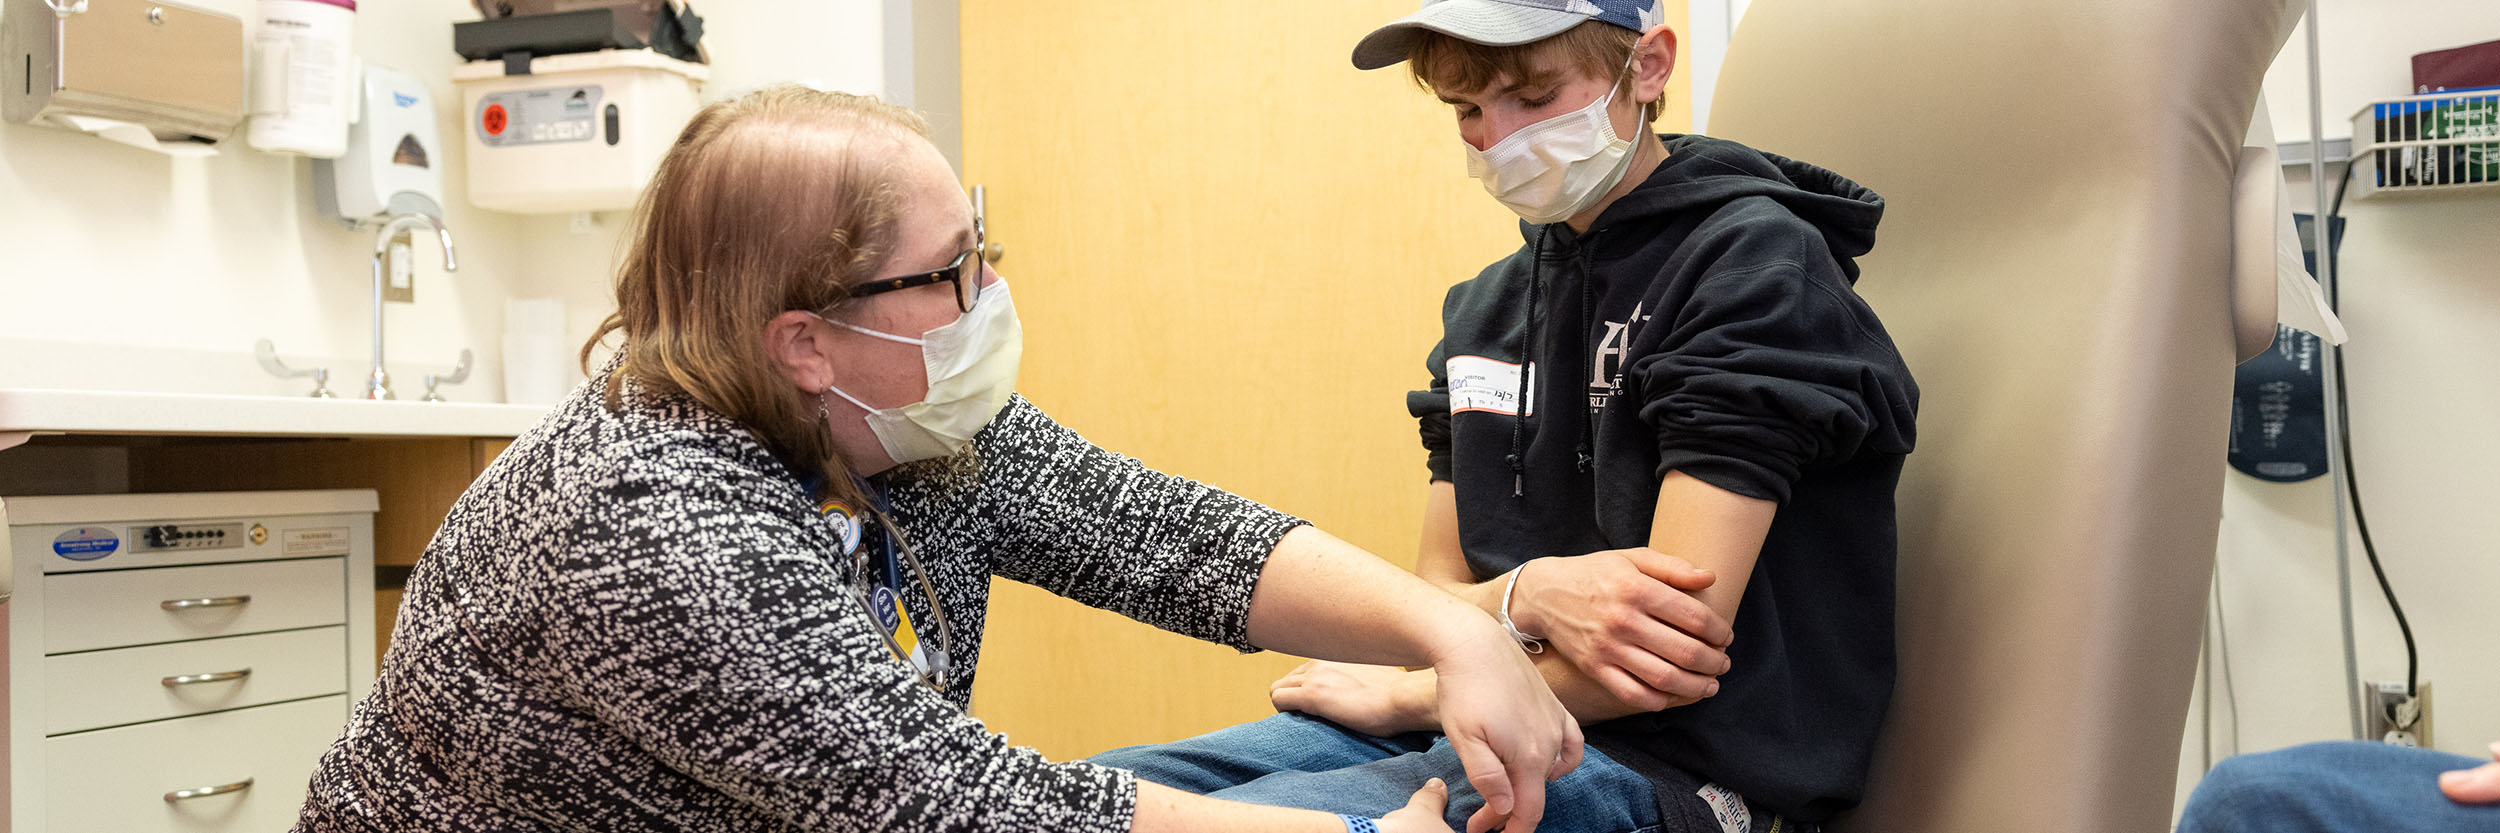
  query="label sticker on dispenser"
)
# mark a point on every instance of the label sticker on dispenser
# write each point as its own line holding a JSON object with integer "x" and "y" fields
{"x": 547, "y": 115}
{"x": 86, "y": 543}
{"x": 327, "y": 540}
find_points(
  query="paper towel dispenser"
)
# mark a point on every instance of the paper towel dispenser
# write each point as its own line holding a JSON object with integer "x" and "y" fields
{"x": 133, "y": 71}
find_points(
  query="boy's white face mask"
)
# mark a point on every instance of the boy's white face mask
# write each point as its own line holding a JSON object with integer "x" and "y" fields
{"x": 971, "y": 363}
{"x": 1548, "y": 171}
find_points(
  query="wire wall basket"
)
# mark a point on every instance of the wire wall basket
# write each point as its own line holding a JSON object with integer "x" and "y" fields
{"x": 2440, "y": 142}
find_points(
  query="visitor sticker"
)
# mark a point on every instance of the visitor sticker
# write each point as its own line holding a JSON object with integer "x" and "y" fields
{"x": 1480, "y": 384}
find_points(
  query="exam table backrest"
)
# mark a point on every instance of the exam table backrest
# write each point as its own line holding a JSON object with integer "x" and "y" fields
{"x": 2055, "y": 262}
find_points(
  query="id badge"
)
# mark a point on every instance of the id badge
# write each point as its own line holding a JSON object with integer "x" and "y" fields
{"x": 896, "y": 621}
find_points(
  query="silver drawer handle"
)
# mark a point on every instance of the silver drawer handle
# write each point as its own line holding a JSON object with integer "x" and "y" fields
{"x": 204, "y": 792}
{"x": 195, "y": 679}
{"x": 194, "y": 604}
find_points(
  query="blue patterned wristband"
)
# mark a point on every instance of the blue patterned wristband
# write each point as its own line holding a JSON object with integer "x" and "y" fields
{"x": 1358, "y": 824}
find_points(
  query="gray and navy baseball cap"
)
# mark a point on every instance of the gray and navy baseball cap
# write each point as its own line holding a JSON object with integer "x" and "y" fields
{"x": 1499, "y": 23}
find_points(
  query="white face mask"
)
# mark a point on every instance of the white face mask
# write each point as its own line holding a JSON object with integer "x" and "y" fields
{"x": 1548, "y": 171}
{"x": 971, "y": 363}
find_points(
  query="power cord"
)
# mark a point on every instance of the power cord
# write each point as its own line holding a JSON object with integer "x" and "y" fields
{"x": 2324, "y": 235}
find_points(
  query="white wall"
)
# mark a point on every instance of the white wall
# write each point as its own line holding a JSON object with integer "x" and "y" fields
{"x": 129, "y": 270}
{"x": 754, "y": 43}
{"x": 2421, "y": 284}
{"x": 124, "y": 270}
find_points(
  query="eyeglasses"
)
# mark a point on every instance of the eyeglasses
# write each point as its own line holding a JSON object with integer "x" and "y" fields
{"x": 965, "y": 272}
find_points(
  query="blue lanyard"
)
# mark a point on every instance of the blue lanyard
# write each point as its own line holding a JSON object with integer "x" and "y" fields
{"x": 889, "y": 561}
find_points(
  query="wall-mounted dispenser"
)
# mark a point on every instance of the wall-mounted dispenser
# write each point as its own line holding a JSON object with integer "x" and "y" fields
{"x": 304, "y": 77}
{"x": 154, "y": 75}
{"x": 394, "y": 160}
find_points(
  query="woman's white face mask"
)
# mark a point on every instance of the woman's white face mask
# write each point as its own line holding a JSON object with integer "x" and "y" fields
{"x": 1548, "y": 171}
{"x": 971, "y": 363}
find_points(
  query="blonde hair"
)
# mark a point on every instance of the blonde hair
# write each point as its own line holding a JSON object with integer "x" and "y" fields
{"x": 770, "y": 202}
{"x": 1595, "y": 48}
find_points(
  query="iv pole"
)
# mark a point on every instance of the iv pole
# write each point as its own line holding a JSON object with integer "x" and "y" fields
{"x": 2322, "y": 231}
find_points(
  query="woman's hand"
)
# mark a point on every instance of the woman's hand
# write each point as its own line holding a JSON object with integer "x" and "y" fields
{"x": 1627, "y": 619}
{"x": 2480, "y": 785}
{"x": 1422, "y": 813}
{"x": 1510, "y": 733}
{"x": 1373, "y": 699}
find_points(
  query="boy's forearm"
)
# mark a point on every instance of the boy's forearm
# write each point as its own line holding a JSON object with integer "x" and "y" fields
{"x": 1713, "y": 529}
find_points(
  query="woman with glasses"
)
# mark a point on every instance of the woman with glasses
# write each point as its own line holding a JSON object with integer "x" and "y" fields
{"x": 737, "y": 581}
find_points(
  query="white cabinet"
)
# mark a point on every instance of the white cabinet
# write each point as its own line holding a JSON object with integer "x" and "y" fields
{"x": 180, "y": 662}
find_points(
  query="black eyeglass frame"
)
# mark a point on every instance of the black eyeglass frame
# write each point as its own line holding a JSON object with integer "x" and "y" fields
{"x": 965, "y": 272}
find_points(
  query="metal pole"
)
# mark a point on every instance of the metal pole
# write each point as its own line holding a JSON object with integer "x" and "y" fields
{"x": 2323, "y": 233}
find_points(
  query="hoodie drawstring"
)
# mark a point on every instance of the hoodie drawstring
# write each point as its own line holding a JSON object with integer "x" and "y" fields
{"x": 1527, "y": 361}
{"x": 1588, "y": 324}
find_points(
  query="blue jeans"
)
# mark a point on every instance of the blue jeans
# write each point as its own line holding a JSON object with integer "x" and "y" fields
{"x": 1293, "y": 760}
{"x": 2333, "y": 787}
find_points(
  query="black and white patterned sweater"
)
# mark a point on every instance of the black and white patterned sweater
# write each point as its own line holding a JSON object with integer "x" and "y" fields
{"x": 636, "y": 621}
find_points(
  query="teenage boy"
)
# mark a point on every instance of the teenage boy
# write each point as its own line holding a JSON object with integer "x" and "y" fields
{"x": 1665, "y": 421}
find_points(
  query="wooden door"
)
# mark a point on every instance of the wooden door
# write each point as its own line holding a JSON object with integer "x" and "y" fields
{"x": 1229, "y": 248}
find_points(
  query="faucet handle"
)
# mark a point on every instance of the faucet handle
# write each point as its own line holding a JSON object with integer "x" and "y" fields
{"x": 267, "y": 352}
{"x": 459, "y": 374}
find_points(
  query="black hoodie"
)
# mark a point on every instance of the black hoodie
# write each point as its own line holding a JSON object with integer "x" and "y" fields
{"x": 1707, "y": 325}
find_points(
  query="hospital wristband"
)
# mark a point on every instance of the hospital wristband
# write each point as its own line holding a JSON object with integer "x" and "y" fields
{"x": 1358, "y": 824}
{"x": 1527, "y": 643}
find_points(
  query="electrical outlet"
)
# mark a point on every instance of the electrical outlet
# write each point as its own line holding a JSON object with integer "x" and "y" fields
{"x": 2386, "y": 710}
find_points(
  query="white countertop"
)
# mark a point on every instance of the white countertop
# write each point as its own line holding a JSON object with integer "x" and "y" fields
{"x": 50, "y": 411}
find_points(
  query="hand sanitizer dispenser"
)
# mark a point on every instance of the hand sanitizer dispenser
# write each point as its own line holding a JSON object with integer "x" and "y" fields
{"x": 394, "y": 159}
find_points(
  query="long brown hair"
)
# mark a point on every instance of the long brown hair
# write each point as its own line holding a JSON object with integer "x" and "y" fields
{"x": 770, "y": 202}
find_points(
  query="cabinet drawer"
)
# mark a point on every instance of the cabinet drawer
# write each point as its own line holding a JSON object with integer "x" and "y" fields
{"x": 87, "y": 611}
{"x": 128, "y": 685}
{"x": 117, "y": 779}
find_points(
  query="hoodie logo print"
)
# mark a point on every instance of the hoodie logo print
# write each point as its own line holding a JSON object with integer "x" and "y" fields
{"x": 1606, "y": 359}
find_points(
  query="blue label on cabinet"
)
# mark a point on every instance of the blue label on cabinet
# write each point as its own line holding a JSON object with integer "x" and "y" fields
{"x": 86, "y": 543}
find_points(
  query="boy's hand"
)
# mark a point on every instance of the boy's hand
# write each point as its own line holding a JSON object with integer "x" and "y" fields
{"x": 1375, "y": 700}
{"x": 1625, "y": 618}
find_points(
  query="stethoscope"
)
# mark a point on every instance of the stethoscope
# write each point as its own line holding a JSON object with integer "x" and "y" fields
{"x": 939, "y": 658}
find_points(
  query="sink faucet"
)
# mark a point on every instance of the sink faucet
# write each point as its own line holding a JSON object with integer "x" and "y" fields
{"x": 396, "y": 231}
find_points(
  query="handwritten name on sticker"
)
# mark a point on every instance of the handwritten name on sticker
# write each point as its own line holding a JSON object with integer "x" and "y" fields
{"x": 1488, "y": 386}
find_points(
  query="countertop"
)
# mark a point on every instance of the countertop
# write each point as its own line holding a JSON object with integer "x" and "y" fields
{"x": 26, "y": 411}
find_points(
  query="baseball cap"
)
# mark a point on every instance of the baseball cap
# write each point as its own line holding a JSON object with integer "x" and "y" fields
{"x": 1499, "y": 23}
